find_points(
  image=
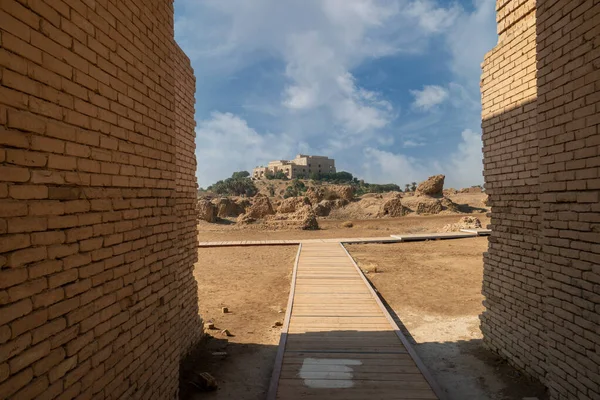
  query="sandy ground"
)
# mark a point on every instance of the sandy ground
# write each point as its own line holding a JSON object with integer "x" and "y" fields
{"x": 333, "y": 229}
{"x": 434, "y": 288}
{"x": 253, "y": 283}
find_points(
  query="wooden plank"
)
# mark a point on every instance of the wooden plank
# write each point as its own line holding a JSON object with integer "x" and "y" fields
{"x": 433, "y": 236}
{"x": 338, "y": 340}
{"x": 361, "y": 389}
{"x": 433, "y": 384}
{"x": 274, "y": 384}
{"x": 333, "y": 373}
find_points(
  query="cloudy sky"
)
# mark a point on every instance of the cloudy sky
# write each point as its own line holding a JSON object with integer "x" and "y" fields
{"x": 389, "y": 88}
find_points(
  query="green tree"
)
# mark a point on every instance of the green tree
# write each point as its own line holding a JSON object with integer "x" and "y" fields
{"x": 407, "y": 187}
{"x": 240, "y": 174}
{"x": 413, "y": 186}
{"x": 280, "y": 175}
{"x": 295, "y": 189}
{"x": 234, "y": 187}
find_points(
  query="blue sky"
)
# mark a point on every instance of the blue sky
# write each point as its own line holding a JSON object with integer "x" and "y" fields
{"x": 389, "y": 88}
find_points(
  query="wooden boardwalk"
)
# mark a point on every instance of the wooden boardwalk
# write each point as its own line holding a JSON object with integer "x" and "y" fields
{"x": 384, "y": 239}
{"x": 465, "y": 233}
{"x": 338, "y": 340}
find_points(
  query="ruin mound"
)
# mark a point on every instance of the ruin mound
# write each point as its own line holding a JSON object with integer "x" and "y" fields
{"x": 315, "y": 194}
{"x": 303, "y": 218}
{"x": 430, "y": 205}
{"x": 227, "y": 207}
{"x": 293, "y": 204}
{"x": 260, "y": 208}
{"x": 433, "y": 186}
{"x": 344, "y": 192}
{"x": 393, "y": 208}
{"x": 206, "y": 211}
{"x": 464, "y": 223}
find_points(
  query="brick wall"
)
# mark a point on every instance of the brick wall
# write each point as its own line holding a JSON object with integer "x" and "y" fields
{"x": 541, "y": 102}
{"x": 513, "y": 321}
{"x": 568, "y": 59}
{"x": 97, "y": 189}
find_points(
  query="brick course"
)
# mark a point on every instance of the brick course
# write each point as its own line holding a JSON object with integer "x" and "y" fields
{"x": 541, "y": 137}
{"x": 97, "y": 200}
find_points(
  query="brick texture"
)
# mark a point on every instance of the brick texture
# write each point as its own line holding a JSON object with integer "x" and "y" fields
{"x": 541, "y": 101}
{"x": 97, "y": 200}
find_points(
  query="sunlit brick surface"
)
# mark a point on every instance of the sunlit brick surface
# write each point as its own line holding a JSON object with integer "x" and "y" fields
{"x": 97, "y": 199}
{"x": 541, "y": 102}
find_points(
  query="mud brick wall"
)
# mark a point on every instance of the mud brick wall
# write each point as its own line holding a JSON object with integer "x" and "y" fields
{"x": 187, "y": 193}
{"x": 541, "y": 108}
{"x": 513, "y": 321}
{"x": 568, "y": 59}
{"x": 97, "y": 191}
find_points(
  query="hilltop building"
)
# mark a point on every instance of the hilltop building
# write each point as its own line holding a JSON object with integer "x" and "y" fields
{"x": 300, "y": 167}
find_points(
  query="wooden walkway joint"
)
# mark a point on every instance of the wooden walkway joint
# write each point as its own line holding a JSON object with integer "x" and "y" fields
{"x": 338, "y": 340}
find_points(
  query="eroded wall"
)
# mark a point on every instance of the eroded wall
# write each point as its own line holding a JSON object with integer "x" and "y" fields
{"x": 97, "y": 189}
{"x": 541, "y": 102}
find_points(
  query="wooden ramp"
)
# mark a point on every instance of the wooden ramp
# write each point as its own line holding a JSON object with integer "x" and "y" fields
{"x": 338, "y": 340}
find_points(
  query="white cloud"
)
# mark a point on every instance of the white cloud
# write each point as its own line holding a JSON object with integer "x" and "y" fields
{"x": 462, "y": 167}
{"x": 225, "y": 143}
{"x": 411, "y": 143}
{"x": 320, "y": 41}
{"x": 318, "y": 103}
{"x": 431, "y": 17}
{"x": 469, "y": 39}
{"x": 466, "y": 164}
{"x": 429, "y": 97}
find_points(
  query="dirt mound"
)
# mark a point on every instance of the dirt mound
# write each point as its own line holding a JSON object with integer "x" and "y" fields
{"x": 315, "y": 194}
{"x": 463, "y": 223}
{"x": 206, "y": 211}
{"x": 433, "y": 186}
{"x": 260, "y": 208}
{"x": 372, "y": 196}
{"x": 393, "y": 208}
{"x": 365, "y": 208}
{"x": 303, "y": 218}
{"x": 474, "y": 189}
{"x": 450, "y": 191}
{"x": 324, "y": 208}
{"x": 449, "y": 205}
{"x": 227, "y": 207}
{"x": 343, "y": 192}
{"x": 430, "y": 205}
{"x": 292, "y": 204}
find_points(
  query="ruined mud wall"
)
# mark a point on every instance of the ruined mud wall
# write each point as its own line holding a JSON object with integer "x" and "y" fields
{"x": 541, "y": 149}
{"x": 97, "y": 296}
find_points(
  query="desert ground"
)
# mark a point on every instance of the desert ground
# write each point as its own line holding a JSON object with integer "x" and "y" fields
{"x": 332, "y": 228}
{"x": 253, "y": 283}
{"x": 433, "y": 288}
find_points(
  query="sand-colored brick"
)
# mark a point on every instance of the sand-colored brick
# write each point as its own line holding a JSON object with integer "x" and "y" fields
{"x": 85, "y": 115}
{"x": 541, "y": 186}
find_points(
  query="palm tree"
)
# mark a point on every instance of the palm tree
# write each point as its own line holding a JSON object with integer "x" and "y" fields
{"x": 413, "y": 186}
